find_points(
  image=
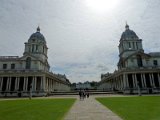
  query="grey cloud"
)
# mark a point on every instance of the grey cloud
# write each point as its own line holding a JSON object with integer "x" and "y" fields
{"x": 82, "y": 44}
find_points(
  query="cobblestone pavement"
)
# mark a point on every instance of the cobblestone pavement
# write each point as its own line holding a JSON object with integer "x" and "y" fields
{"x": 90, "y": 109}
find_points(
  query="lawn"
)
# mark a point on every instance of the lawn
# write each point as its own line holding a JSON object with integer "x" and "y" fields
{"x": 134, "y": 108}
{"x": 35, "y": 109}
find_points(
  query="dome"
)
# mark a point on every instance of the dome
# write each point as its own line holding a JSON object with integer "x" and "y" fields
{"x": 37, "y": 36}
{"x": 128, "y": 34}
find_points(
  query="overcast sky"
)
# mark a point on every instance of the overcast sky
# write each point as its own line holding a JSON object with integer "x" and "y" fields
{"x": 82, "y": 36}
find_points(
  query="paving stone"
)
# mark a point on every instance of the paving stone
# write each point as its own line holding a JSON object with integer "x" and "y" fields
{"x": 90, "y": 109}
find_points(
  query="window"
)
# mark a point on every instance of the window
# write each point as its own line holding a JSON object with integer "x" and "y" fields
{"x": 4, "y": 66}
{"x": 12, "y": 66}
{"x": 139, "y": 61}
{"x": 155, "y": 63}
{"x": 129, "y": 45}
{"x": 137, "y": 45}
{"x": 32, "y": 48}
{"x": 36, "y": 48}
{"x": 133, "y": 45}
{"x": 28, "y": 63}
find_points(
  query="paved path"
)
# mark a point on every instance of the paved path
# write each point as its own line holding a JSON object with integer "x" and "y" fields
{"x": 90, "y": 109}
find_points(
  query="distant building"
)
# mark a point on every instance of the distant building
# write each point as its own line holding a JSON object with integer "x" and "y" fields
{"x": 85, "y": 85}
{"x": 19, "y": 75}
{"x": 136, "y": 69}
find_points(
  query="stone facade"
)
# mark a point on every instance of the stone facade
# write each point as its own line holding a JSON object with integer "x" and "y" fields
{"x": 137, "y": 70}
{"x": 29, "y": 74}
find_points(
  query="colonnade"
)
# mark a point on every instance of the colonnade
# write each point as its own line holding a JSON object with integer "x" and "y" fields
{"x": 54, "y": 85}
{"x": 23, "y": 85}
{"x": 13, "y": 84}
{"x": 131, "y": 81}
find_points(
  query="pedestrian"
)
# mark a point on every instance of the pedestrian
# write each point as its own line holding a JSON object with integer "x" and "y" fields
{"x": 84, "y": 94}
{"x": 87, "y": 94}
{"x": 80, "y": 94}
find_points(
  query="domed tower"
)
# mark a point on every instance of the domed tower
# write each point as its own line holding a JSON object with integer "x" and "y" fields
{"x": 129, "y": 43}
{"x": 36, "y": 46}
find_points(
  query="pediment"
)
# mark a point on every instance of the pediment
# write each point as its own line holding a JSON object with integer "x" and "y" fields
{"x": 142, "y": 54}
{"x": 134, "y": 55}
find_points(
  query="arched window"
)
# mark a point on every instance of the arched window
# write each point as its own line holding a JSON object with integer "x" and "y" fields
{"x": 28, "y": 63}
{"x": 139, "y": 61}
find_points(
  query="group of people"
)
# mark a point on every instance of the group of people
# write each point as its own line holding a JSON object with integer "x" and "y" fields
{"x": 83, "y": 94}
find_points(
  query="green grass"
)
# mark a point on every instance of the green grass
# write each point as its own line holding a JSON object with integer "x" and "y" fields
{"x": 35, "y": 109}
{"x": 134, "y": 108}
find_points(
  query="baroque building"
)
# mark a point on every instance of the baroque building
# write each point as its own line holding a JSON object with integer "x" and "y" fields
{"x": 20, "y": 76}
{"x": 137, "y": 70}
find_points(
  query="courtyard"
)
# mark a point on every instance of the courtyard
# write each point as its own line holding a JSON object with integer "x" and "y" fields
{"x": 35, "y": 109}
{"x": 110, "y": 107}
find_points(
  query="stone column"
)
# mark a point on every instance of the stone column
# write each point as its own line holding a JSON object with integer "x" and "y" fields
{"x": 1, "y": 84}
{"x": 44, "y": 83}
{"x": 41, "y": 81}
{"x": 150, "y": 78}
{"x": 153, "y": 80}
{"x": 158, "y": 79}
{"x": 56, "y": 85}
{"x": 59, "y": 86}
{"x": 124, "y": 81}
{"x": 144, "y": 79}
{"x": 47, "y": 84}
{"x": 8, "y": 84}
{"x": 110, "y": 85}
{"x": 26, "y": 83}
{"x": 122, "y": 85}
{"x": 52, "y": 85}
{"x": 35, "y": 84}
{"x": 133, "y": 78}
{"x": 136, "y": 80}
{"x": 18, "y": 83}
{"x": 127, "y": 82}
{"x": 116, "y": 83}
{"x": 15, "y": 84}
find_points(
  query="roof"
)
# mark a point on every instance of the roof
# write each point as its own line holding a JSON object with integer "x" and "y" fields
{"x": 37, "y": 35}
{"x": 154, "y": 54}
{"x": 128, "y": 34}
{"x": 136, "y": 53}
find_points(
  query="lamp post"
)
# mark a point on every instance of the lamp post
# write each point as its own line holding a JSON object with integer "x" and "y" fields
{"x": 30, "y": 91}
{"x": 139, "y": 89}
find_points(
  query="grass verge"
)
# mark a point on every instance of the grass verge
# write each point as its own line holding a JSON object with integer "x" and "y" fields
{"x": 134, "y": 108}
{"x": 35, "y": 109}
